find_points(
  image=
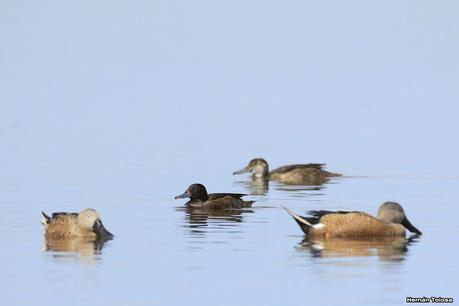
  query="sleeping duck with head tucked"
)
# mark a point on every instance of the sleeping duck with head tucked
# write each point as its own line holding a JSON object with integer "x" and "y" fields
{"x": 84, "y": 225}
{"x": 199, "y": 198}
{"x": 298, "y": 174}
{"x": 390, "y": 222}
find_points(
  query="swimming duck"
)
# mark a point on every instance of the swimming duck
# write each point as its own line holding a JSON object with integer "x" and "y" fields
{"x": 391, "y": 221}
{"x": 298, "y": 174}
{"x": 199, "y": 198}
{"x": 86, "y": 224}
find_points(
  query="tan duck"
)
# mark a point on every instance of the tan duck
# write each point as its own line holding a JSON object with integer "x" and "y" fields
{"x": 199, "y": 198}
{"x": 298, "y": 174}
{"x": 85, "y": 225}
{"x": 391, "y": 221}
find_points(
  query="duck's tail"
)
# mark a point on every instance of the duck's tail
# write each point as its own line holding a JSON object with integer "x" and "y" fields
{"x": 45, "y": 219}
{"x": 247, "y": 204}
{"x": 304, "y": 224}
{"x": 332, "y": 174}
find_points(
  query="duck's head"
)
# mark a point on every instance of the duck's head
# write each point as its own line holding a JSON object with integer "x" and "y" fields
{"x": 257, "y": 166}
{"x": 195, "y": 192}
{"x": 89, "y": 220}
{"x": 392, "y": 212}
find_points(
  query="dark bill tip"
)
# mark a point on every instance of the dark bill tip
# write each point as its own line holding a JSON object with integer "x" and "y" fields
{"x": 407, "y": 224}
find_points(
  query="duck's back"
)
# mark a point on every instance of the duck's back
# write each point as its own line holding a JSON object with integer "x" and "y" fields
{"x": 288, "y": 168}
{"x": 311, "y": 174}
{"x": 214, "y": 196}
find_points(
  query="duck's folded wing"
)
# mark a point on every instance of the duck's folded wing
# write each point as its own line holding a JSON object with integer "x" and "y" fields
{"x": 289, "y": 168}
{"x": 214, "y": 196}
{"x": 317, "y": 214}
{"x": 320, "y": 213}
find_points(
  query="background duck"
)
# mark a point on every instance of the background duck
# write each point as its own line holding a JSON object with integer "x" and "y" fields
{"x": 86, "y": 224}
{"x": 199, "y": 198}
{"x": 298, "y": 174}
{"x": 391, "y": 221}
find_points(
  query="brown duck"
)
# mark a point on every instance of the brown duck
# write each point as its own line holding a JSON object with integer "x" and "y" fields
{"x": 391, "y": 221}
{"x": 298, "y": 174}
{"x": 86, "y": 225}
{"x": 199, "y": 198}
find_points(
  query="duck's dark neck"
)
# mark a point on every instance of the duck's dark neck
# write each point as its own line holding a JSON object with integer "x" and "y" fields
{"x": 200, "y": 198}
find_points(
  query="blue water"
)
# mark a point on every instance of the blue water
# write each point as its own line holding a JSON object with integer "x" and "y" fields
{"x": 119, "y": 106}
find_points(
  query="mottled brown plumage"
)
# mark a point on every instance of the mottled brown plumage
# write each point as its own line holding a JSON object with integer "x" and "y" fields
{"x": 391, "y": 221}
{"x": 199, "y": 198}
{"x": 356, "y": 224}
{"x": 85, "y": 225}
{"x": 298, "y": 174}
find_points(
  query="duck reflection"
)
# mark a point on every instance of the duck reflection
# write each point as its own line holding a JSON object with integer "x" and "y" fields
{"x": 255, "y": 186}
{"x": 83, "y": 248}
{"x": 300, "y": 188}
{"x": 199, "y": 221}
{"x": 392, "y": 249}
{"x": 260, "y": 186}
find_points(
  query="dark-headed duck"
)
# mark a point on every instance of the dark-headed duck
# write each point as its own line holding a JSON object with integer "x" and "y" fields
{"x": 199, "y": 198}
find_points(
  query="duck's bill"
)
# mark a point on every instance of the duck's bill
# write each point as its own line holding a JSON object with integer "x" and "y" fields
{"x": 243, "y": 170}
{"x": 101, "y": 231}
{"x": 407, "y": 224}
{"x": 182, "y": 196}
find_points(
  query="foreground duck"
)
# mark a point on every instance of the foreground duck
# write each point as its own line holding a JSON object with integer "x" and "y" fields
{"x": 298, "y": 174}
{"x": 199, "y": 198}
{"x": 391, "y": 221}
{"x": 85, "y": 225}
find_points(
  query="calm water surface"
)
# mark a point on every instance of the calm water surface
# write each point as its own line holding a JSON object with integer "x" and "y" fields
{"x": 163, "y": 254}
{"x": 119, "y": 106}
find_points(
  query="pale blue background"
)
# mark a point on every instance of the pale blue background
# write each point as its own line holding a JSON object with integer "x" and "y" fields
{"x": 120, "y": 105}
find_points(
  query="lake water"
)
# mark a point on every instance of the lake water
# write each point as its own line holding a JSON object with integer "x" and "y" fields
{"x": 120, "y": 106}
